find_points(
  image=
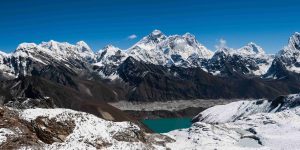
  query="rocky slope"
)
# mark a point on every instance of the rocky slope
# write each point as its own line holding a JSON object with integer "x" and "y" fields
{"x": 29, "y": 57}
{"x": 249, "y": 60}
{"x": 148, "y": 82}
{"x": 64, "y": 129}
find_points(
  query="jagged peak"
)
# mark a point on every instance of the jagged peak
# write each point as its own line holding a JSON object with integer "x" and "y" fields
{"x": 54, "y": 43}
{"x": 109, "y": 48}
{"x": 149, "y": 42}
{"x": 25, "y": 45}
{"x": 188, "y": 35}
{"x": 296, "y": 34}
{"x": 81, "y": 43}
{"x": 83, "y": 46}
{"x": 156, "y": 32}
{"x": 225, "y": 50}
{"x": 250, "y": 49}
{"x": 155, "y": 36}
{"x": 294, "y": 42}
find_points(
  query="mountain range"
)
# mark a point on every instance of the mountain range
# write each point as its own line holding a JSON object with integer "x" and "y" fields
{"x": 160, "y": 67}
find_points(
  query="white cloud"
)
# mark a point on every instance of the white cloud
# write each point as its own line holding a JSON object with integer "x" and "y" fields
{"x": 222, "y": 44}
{"x": 131, "y": 37}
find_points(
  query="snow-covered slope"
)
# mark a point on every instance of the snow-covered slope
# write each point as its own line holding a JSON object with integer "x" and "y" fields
{"x": 181, "y": 50}
{"x": 67, "y": 129}
{"x": 259, "y": 125}
{"x": 236, "y": 110}
{"x": 232, "y": 111}
{"x": 145, "y": 50}
{"x": 66, "y": 50}
{"x": 29, "y": 56}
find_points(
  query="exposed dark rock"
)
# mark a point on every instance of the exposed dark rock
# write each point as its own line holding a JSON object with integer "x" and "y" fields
{"x": 51, "y": 130}
{"x": 26, "y": 103}
{"x": 23, "y": 135}
{"x": 150, "y": 82}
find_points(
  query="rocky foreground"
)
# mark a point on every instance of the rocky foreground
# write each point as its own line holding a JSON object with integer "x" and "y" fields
{"x": 68, "y": 129}
{"x": 251, "y": 125}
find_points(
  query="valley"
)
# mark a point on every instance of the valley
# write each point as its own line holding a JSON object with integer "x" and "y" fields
{"x": 167, "y": 109}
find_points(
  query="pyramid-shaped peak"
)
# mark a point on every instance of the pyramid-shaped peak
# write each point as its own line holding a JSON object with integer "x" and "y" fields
{"x": 83, "y": 46}
{"x": 251, "y": 46}
{"x": 294, "y": 42}
{"x": 156, "y": 32}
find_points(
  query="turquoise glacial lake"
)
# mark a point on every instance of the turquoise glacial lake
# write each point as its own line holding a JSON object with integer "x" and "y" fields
{"x": 164, "y": 125}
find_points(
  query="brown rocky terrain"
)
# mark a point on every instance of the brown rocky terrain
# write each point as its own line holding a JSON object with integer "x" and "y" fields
{"x": 16, "y": 132}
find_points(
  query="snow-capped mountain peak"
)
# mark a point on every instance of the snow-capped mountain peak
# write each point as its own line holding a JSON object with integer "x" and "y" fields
{"x": 223, "y": 51}
{"x": 294, "y": 42}
{"x": 188, "y": 35}
{"x": 65, "y": 49}
{"x": 155, "y": 36}
{"x": 56, "y": 46}
{"x": 110, "y": 55}
{"x": 83, "y": 46}
{"x": 287, "y": 59}
{"x": 251, "y": 49}
{"x": 109, "y": 48}
{"x": 156, "y": 33}
{"x": 150, "y": 41}
{"x": 184, "y": 46}
{"x": 25, "y": 46}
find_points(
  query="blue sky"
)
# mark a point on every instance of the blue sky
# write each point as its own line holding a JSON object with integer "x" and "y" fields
{"x": 101, "y": 22}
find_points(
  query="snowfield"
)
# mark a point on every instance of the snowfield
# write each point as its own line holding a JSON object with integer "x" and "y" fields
{"x": 249, "y": 125}
{"x": 91, "y": 132}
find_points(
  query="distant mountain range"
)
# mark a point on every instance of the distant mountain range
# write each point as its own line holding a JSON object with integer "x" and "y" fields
{"x": 156, "y": 68}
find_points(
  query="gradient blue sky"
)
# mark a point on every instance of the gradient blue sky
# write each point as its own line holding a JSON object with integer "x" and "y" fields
{"x": 269, "y": 23}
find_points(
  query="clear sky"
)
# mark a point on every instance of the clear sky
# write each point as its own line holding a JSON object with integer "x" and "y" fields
{"x": 268, "y": 23}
